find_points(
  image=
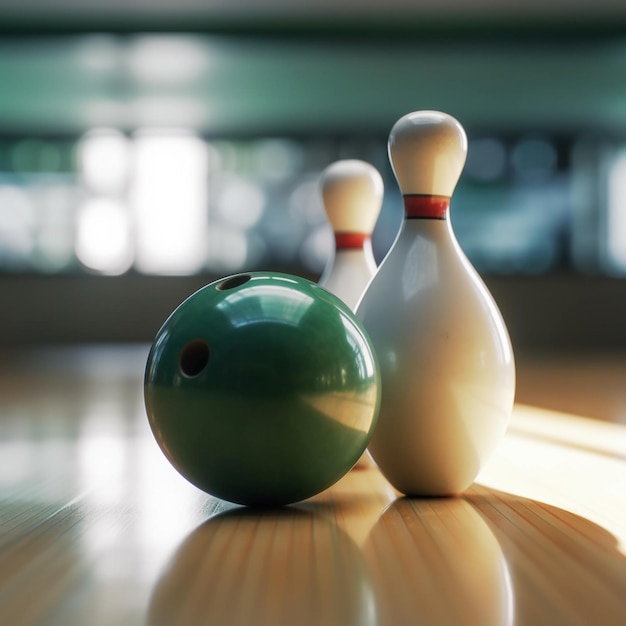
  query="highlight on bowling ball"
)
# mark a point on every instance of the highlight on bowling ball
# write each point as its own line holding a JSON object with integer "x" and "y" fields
{"x": 262, "y": 389}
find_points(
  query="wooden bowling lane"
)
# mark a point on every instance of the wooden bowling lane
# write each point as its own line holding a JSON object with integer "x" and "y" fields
{"x": 589, "y": 384}
{"x": 97, "y": 528}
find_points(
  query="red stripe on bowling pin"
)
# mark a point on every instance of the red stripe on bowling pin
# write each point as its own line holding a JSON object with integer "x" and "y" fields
{"x": 433, "y": 207}
{"x": 348, "y": 241}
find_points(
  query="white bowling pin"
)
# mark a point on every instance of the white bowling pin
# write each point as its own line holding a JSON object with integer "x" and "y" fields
{"x": 448, "y": 373}
{"x": 352, "y": 193}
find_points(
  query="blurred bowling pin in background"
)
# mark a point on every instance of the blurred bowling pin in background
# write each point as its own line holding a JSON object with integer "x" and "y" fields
{"x": 352, "y": 193}
{"x": 448, "y": 373}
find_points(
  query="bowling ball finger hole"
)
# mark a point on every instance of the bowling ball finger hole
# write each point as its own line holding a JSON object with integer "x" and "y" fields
{"x": 235, "y": 281}
{"x": 194, "y": 357}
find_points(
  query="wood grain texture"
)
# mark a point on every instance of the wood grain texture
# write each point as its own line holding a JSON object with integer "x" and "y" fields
{"x": 96, "y": 527}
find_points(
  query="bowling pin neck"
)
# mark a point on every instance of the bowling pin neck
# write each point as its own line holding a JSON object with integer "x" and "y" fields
{"x": 427, "y": 218}
{"x": 422, "y": 206}
{"x": 352, "y": 241}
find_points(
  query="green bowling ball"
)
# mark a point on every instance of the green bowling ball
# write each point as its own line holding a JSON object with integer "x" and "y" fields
{"x": 262, "y": 389}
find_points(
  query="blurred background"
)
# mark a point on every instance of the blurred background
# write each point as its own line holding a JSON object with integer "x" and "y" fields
{"x": 148, "y": 149}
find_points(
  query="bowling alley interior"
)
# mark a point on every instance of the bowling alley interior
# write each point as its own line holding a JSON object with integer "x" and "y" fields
{"x": 151, "y": 150}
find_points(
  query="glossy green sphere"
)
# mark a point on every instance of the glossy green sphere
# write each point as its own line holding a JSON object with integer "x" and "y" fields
{"x": 262, "y": 389}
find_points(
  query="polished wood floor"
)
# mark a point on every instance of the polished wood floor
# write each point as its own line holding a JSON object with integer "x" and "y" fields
{"x": 97, "y": 529}
{"x": 587, "y": 384}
